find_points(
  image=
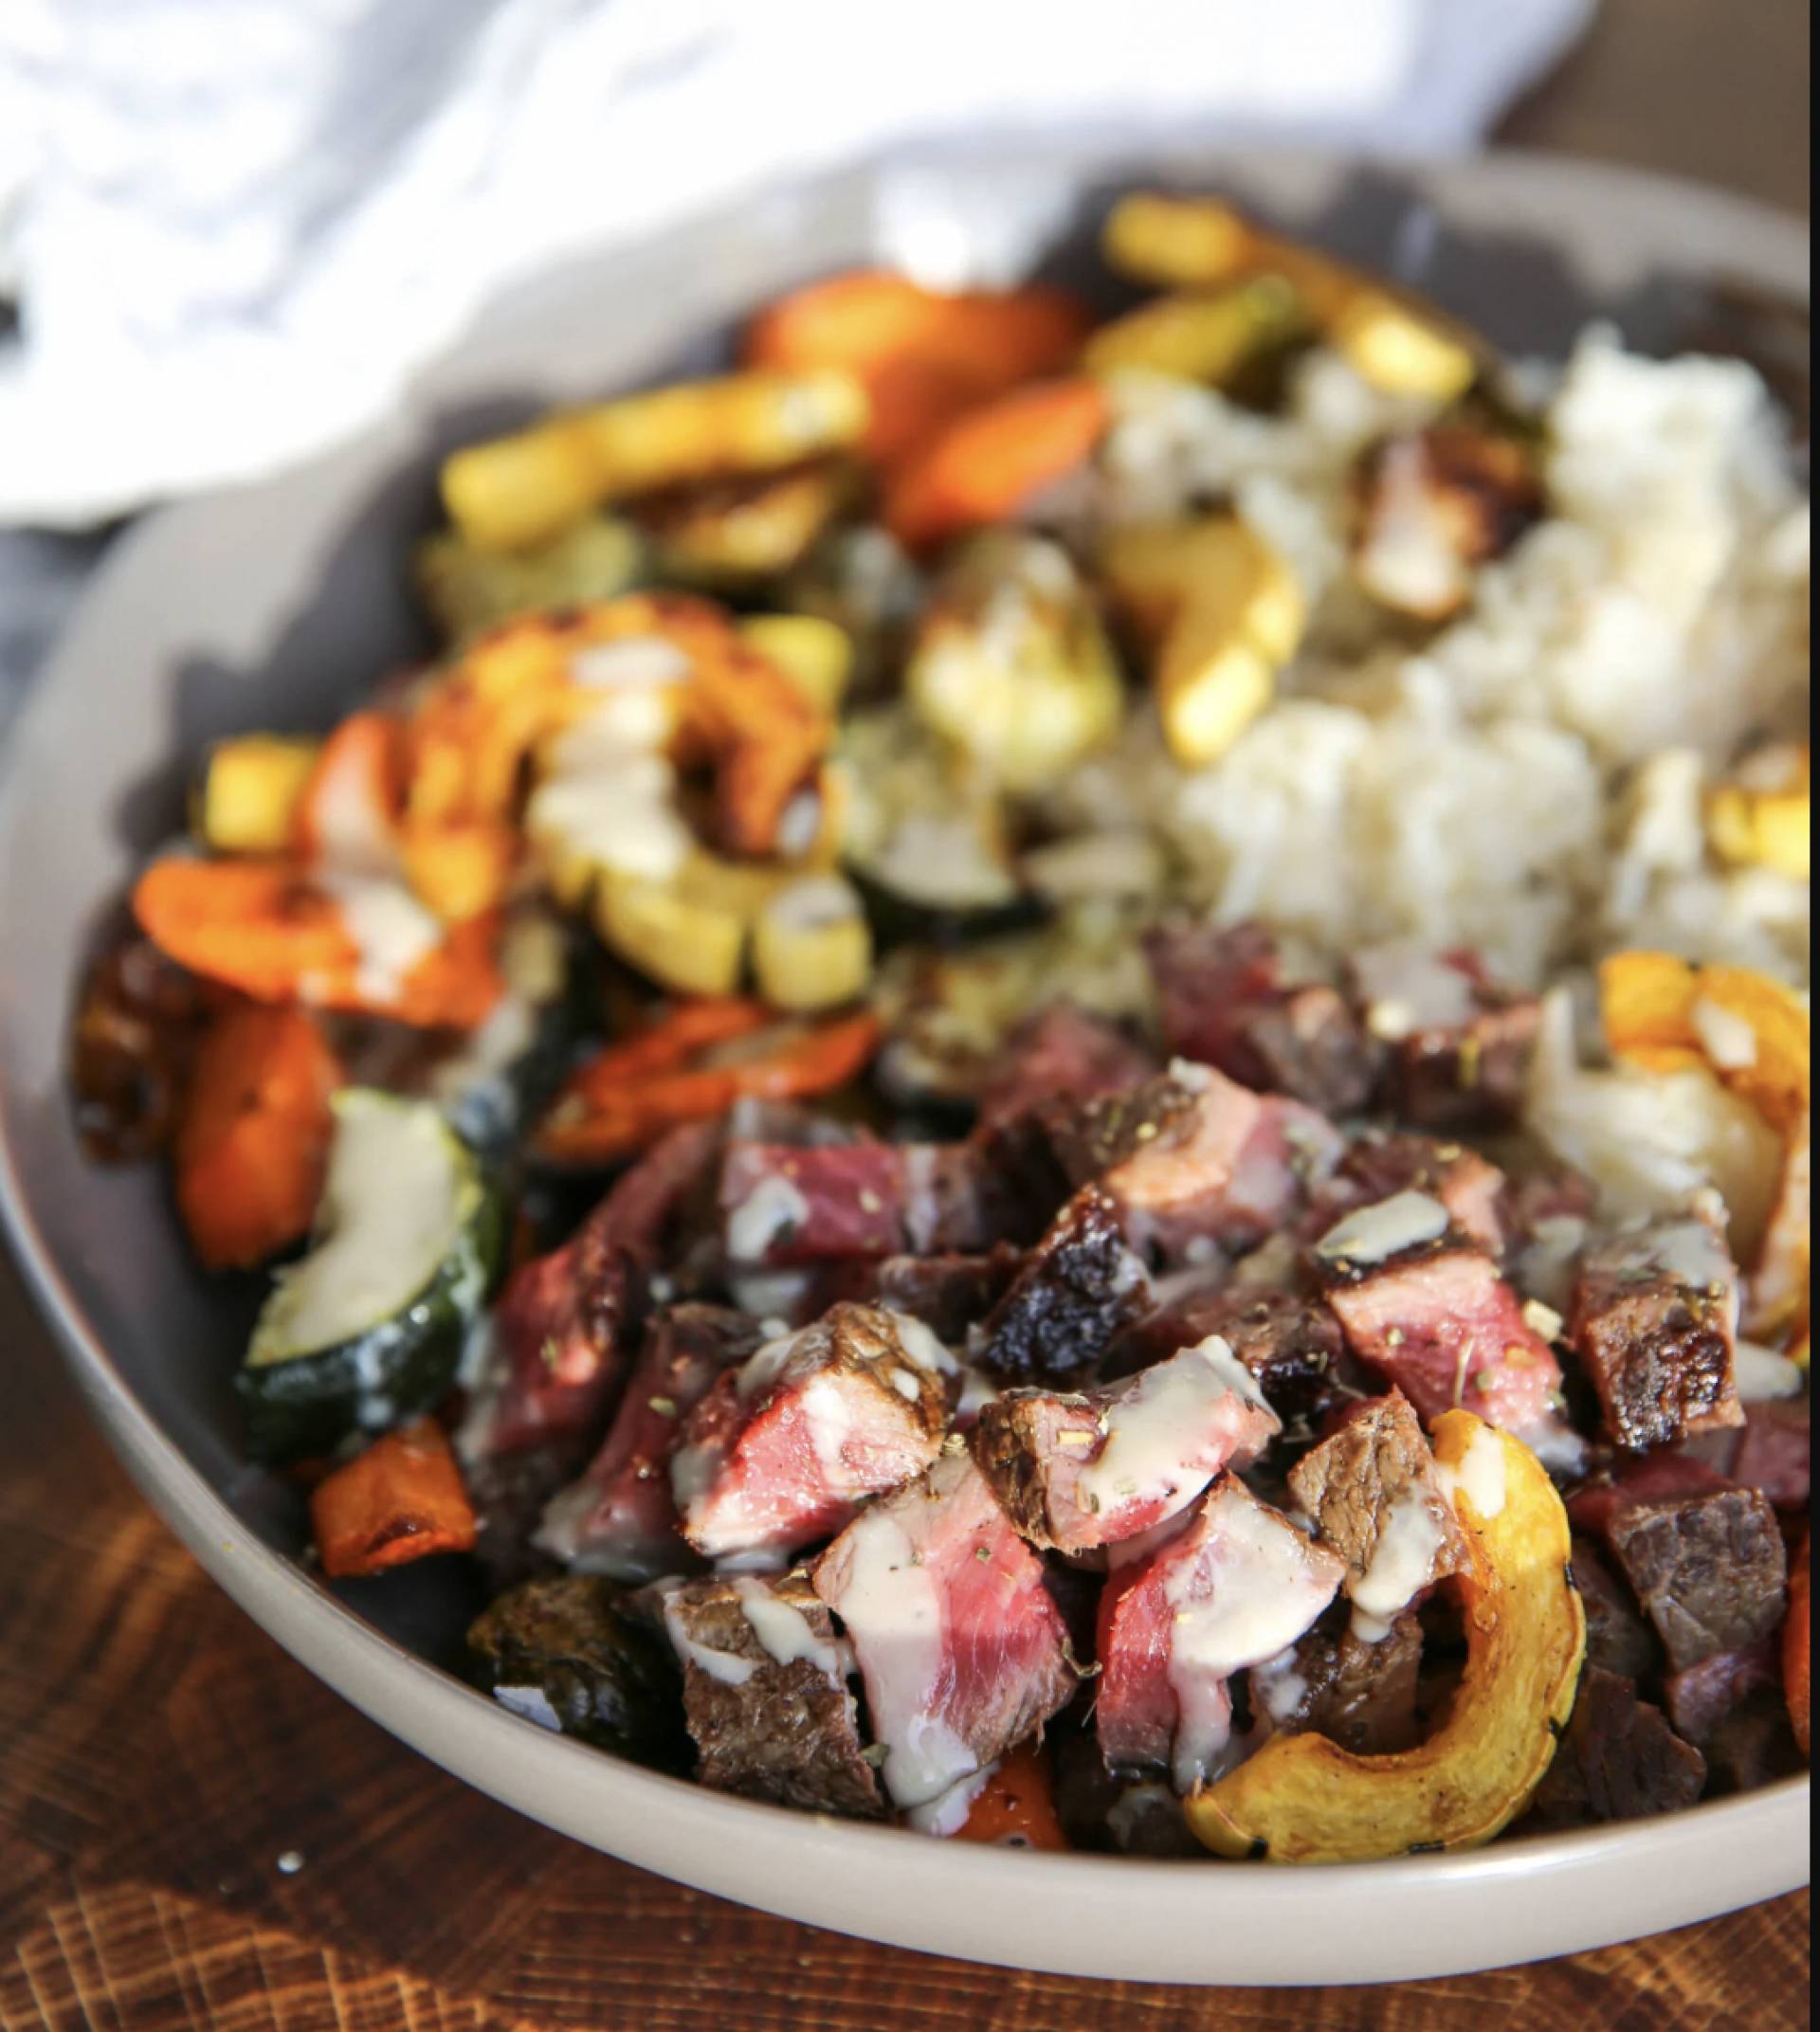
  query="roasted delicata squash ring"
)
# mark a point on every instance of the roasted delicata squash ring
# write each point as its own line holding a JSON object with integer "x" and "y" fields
{"x": 1302, "y": 1799}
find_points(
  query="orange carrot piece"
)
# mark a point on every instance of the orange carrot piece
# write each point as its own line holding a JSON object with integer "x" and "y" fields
{"x": 1015, "y": 1808}
{"x": 346, "y": 816}
{"x": 599, "y": 1118}
{"x": 265, "y": 928}
{"x": 1797, "y": 1649}
{"x": 675, "y": 1037}
{"x": 400, "y": 1501}
{"x": 987, "y": 464}
{"x": 926, "y": 355}
{"x": 253, "y": 1134}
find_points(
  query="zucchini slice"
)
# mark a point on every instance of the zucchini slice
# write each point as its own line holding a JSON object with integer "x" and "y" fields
{"x": 366, "y": 1330}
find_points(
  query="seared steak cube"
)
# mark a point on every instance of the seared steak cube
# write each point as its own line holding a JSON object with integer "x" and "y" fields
{"x": 1195, "y": 1155}
{"x": 1775, "y": 1452}
{"x": 1700, "y": 1698}
{"x": 1710, "y": 1570}
{"x": 1080, "y": 1287}
{"x": 1619, "y": 1760}
{"x": 1432, "y": 1313}
{"x": 782, "y": 1450}
{"x": 1059, "y": 1051}
{"x": 1373, "y": 1494}
{"x": 1617, "y": 1638}
{"x": 764, "y": 1690}
{"x": 1654, "y": 1319}
{"x": 619, "y": 1518}
{"x": 1359, "y": 1691}
{"x": 949, "y": 1294}
{"x": 1093, "y": 1468}
{"x": 784, "y": 1204}
{"x": 1291, "y": 1345}
{"x": 1000, "y": 1186}
{"x": 962, "y": 1650}
{"x": 1228, "y": 1000}
{"x": 1460, "y": 1044}
{"x": 1235, "y": 1586}
{"x": 1472, "y": 1191}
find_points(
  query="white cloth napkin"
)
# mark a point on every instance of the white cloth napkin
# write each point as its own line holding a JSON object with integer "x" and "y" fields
{"x": 234, "y": 228}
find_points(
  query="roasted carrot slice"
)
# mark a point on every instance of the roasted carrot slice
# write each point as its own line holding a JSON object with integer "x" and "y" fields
{"x": 682, "y": 1033}
{"x": 253, "y": 1134}
{"x": 1015, "y": 1808}
{"x": 267, "y": 928}
{"x": 346, "y": 816}
{"x": 400, "y": 1501}
{"x": 987, "y": 464}
{"x": 607, "y": 1113}
{"x": 924, "y": 355}
{"x": 1797, "y": 1649}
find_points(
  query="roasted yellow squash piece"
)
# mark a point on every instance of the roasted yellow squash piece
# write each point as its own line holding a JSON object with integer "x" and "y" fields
{"x": 251, "y": 787}
{"x": 1302, "y": 1799}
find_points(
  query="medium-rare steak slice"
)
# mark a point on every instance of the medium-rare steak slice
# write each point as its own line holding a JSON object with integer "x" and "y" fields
{"x": 1460, "y": 1044}
{"x": 1430, "y": 1311}
{"x": 619, "y": 1518}
{"x": 1293, "y": 1346}
{"x": 1079, "y": 1289}
{"x": 1061, "y": 1051}
{"x": 1619, "y": 1760}
{"x": 764, "y": 1689}
{"x": 783, "y": 1205}
{"x": 961, "y": 1648}
{"x": 1359, "y": 1692}
{"x": 1371, "y": 1493}
{"x": 1096, "y": 1467}
{"x": 1236, "y": 1585}
{"x": 1617, "y": 1638}
{"x": 1194, "y": 1154}
{"x": 1654, "y": 1319}
{"x": 1227, "y": 999}
{"x": 1473, "y": 1191}
{"x": 781, "y": 1451}
{"x": 1710, "y": 1570}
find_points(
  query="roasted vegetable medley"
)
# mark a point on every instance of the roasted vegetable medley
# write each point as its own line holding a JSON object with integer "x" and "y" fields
{"x": 808, "y": 1104}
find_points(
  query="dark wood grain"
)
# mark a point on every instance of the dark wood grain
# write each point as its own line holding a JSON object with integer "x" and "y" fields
{"x": 159, "y": 1755}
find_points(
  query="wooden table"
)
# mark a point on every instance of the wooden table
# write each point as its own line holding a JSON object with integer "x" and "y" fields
{"x": 194, "y": 1832}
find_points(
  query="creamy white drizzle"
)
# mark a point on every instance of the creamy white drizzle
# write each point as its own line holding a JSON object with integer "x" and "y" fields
{"x": 922, "y": 1345}
{"x": 634, "y": 659}
{"x": 907, "y": 1386}
{"x": 1726, "y": 1037}
{"x": 1402, "y": 1563}
{"x": 724, "y": 1666}
{"x": 762, "y": 1368}
{"x": 947, "y": 1815}
{"x": 1406, "y": 989}
{"x": 829, "y": 1418}
{"x": 787, "y": 1635}
{"x": 393, "y": 934}
{"x": 531, "y": 1703}
{"x": 1278, "y": 1687}
{"x": 1763, "y": 1375}
{"x": 1374, "y": 1234}
{"x": 1156, "y": 1438}
{"x": 1253, "y": 1590}
{"x": 1479, "y": 1474}
{"x": 773, "y": 1207}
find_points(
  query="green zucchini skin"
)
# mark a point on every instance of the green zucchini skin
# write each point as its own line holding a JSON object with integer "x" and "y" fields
{"x": 897, "y": 920}
{"x": 399, "y": 1369}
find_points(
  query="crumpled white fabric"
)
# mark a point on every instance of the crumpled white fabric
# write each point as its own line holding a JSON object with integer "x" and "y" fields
{"x": 235, "y": 228}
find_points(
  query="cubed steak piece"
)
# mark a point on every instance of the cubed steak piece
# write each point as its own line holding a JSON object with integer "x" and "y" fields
{"x": 1710, "y": 1570}
{"x": 1195, "y": 1155}
{"x": 561, "y": 1336}
{"x": 949, "y": 1294}
{"x": 1359, "y": 1692}
{"x": 1383, "y": 1164}
{"x": 1640, "y": 1479}
{"x": 1460, "y": 1044}
{"x": 781, "y": 1450}
{"x": 1227, "y": 999}
{"x": 619, "y": 1518}
{"x": 962, "y": 1650}
{"x": 1775, "y": 1452}
{"x": 1654, "y": 1319}
{"x": 1001, "y": 1184}
{"x": 1619, "y": 1760}
{"x": 1081, "y": 1286}
{"x": 1430, "y": 1311}
{"x": 1292, "y": 1346}
{"x": 764, "y": 1690}
{"x": 1617, "y": 1638}
{"x": 1373, "y": 1494}
{"x": 784, "y": 1205}
{"x": 1236, "y": 1585}
{"x": 1059, "y": 1050}
{"x": 1093, "y": 1468}
{"x": 1700, "y": 1698}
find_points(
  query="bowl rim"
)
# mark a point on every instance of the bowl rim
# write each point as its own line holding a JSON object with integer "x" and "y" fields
{"x": 720, "y": 1844}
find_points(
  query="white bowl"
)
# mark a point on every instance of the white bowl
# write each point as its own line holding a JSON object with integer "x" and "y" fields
{"x": 276, "y": 604}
